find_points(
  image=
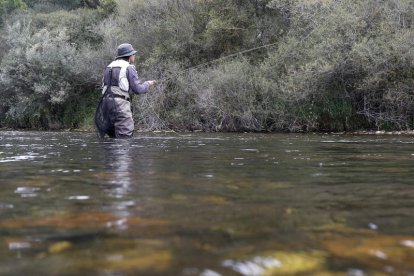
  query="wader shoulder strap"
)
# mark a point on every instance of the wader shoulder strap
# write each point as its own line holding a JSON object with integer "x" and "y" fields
{"x": 109, "y": 84}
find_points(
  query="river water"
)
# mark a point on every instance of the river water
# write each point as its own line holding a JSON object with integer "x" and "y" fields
{"x": 206, "y": 204}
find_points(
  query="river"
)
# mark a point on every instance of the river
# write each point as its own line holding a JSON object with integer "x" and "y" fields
{"x": 206, "y": 204}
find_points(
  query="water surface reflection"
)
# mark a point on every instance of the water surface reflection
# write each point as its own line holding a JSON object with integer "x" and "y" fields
{"x": 206, "y": 204}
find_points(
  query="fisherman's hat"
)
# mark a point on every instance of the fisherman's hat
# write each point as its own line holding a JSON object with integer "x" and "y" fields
{"x": 125, "y": 50}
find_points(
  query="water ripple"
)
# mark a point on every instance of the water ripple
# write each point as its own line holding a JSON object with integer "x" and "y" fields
{"x": 257, "y": 266}
{"x": 27, "y": 191}
{"x": 79, "y": 197}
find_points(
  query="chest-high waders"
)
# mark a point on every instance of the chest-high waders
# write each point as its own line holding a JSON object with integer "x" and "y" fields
{"x": 106, "y": 112}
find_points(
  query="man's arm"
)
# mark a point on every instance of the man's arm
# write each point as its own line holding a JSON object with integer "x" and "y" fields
{"x": 135, "y": 85}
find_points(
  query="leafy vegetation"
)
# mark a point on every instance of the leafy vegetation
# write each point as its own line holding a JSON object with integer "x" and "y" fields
{"x": 255, "y": 65}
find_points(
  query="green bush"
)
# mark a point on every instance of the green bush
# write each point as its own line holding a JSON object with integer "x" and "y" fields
{"x": 347, "y": 59}
{"x": 42, "y": 72}
{"x": 9, "y": 6}
{"x": 53, "y": 5}
{"x": 254, "y": 65}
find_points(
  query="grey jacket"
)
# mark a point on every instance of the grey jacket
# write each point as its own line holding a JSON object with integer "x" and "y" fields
{"x": 123, "y": 78}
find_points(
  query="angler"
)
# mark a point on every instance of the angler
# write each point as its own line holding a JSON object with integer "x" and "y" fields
{"x": 120, "y": 81}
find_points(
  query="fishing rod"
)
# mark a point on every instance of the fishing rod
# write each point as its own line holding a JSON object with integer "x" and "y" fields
{"x": 218, "y": 60}
{"x": 164, "y": 81}
{"x": 102, "y": 124}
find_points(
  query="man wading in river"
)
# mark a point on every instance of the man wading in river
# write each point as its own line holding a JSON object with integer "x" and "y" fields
{"x": 113, "y": 115}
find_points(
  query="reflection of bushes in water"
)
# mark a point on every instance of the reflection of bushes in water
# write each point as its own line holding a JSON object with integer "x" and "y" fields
{"x": 333, "y": 65}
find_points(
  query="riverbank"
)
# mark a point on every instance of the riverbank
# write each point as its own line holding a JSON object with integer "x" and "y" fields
{"x": 360, "y": 132}
{"x": 383, "y": 132}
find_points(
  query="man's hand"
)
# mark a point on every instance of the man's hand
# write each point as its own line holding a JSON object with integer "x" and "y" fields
{"x": 151, "y": 82}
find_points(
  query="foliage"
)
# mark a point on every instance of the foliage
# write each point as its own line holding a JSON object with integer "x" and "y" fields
{"x": 8, "y": 6}
{"x": 40, "y": 74}
{"x": 79, "y": 27}
{"x": 347, "y": 59}
{"x": 108, "y": 6}
{"x": 53, "y": 5}
{"x": 254, "y": 65}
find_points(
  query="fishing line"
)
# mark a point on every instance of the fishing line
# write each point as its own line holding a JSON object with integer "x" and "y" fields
{"x": 219, "y": 59}
{"x": 162, "y": 81}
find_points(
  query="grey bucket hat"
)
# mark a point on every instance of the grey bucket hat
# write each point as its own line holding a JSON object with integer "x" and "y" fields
{"x": 125, "y": 50}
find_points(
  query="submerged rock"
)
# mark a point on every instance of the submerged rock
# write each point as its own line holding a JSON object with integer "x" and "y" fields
{"x": 281, "y": 263}
{"x": 59, "y": 247}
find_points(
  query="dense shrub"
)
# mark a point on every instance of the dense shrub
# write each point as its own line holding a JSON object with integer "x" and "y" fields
{"x": 345, "y": 61}
{"x": 9, "y": 6}
{"x": 254, "y": 65}
{"x": 80, "y": 27}
{"x": 41, "y": 74}
{"x": 53, "y": 5}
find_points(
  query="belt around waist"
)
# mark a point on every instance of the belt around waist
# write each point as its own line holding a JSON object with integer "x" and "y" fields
{"x": 122, "y": 97}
